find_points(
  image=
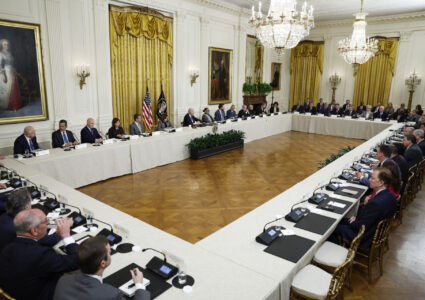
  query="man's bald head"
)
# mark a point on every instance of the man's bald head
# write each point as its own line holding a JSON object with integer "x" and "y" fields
{"x": 29, "y": 223}
{"x": 29, "y": 131}
{"x": 90, "y": 123}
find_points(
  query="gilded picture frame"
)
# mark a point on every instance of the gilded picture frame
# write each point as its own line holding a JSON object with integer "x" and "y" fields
{"x": 220, "y": 75}
{"x": 22, "y": 83}
{"x": 275, "y": 77}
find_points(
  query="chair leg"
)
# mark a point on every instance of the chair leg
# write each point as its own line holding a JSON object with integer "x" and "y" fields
{"x": 370, "y": 265}
{"x": 381, "y": 256}
{"x": 348, "y": 279}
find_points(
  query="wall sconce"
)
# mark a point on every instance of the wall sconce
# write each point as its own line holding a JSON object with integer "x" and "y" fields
{"x": 83, "y": 71}
{"x": 194, "y": 74}
{"x": 412, "y": 82}
{"x": 334, "y": 80}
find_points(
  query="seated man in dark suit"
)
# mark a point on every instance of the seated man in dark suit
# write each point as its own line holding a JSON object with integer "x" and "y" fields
{"x": 298, "y": 107}
{"x": 402, "y": 165}
{"x": 219, "y": 114}
{"x": 419, "y": 135}
{"x": 413, "y": 153}
{"x": 274, "y": 108}
{"x": 375, "y": 109}
{"x": 381, "y": 206}
{"x": 320, "y": 106}
{"x": 28, "y": 269}
{"x": 89, "y": 134}
{"x": 190, "y": 119}
{"x": 231, "y": 113}
{"x": 19, "y": 200}
{"x": 93, "y": 257}
{"x": 346, "y": 105}
{"x": 251, "y": 110}
{"x": 312, "y": 109}
{"x": 326, "y": 110}
{"x": 244, "y": 112}
{"x": 306, "y": 104}
{"x": 381, "y": 114}
{"x": 3, "y": 198}
{"x": 350, "y": 112}
{"x": 63, "y": 137}
{"x": 26, "y": 141}
{"x": 337, "y": 110}
{"x": 361, "y": 108}
{"x": 262, "y": 110}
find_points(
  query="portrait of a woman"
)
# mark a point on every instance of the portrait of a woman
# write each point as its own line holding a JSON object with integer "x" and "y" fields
{"x": 10, "y": 96}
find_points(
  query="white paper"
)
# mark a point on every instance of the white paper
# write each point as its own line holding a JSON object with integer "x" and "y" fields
{"x": 134, "y": 137}
{"x": 8, "y": 189}
{"x": 308, "y": 114}
{"x": 296, "y": 112}
{"x": 108, "y": 142}
{"x": 155, "y": 133}
{"x": 80, "y": 146}
{"x": 337, "y": 204}
{"x": 4, "y": 181}
{"x": 130, "y": 291}
{"x": 35, "y": 201}
{"x": 80, "y": 229}
{"x": 42, "y": 152}
{"x": 239, "y": 119}
{"x": 334, "y": 116}
{"x": 317, "y": 211}
{"x": 180, "y": 129}
{"x": 347, "y": 191}
{"x": 53, "y": 215}
{"x": 287, "y": 232}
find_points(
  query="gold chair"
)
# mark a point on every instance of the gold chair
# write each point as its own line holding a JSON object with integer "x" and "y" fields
{"x": 420, "y": 174}
{"x": 330, "y": 255}
{"x": 413, "y": 171}
{"x": 311, "y": 282}
{"x": 376, "y": 250}
{"x": 408, "y": 190}
{"x": 5, "y": 296}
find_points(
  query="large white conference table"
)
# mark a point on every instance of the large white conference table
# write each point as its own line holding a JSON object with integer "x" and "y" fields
{"x": 228, "y": 264}
{"x": 81, "y": 167}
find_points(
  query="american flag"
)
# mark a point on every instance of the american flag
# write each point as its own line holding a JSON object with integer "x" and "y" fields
{"x": 147, "y": 110}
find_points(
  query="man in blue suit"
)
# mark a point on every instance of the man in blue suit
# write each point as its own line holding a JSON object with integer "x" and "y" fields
{"x": 29, "y": 270}
{"x": 19, "y": 200}
{"x": 89, "y": 134}
{"x": 190, "y": 119}
{"x": 320, "y": 106}
{"x": 231, "y": 113}
{"x": 63, "y": 137}
{"x": 26, "y": 141}
{"x": 219, "y": 114}
{"x": 381, "y": 206}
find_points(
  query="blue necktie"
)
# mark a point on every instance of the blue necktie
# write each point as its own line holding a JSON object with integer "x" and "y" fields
{"x": 31, "y": 146}
{"x": 65, "y": 138}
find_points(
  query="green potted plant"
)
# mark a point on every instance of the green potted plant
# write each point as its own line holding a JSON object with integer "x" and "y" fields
{"x": 212, "y": 144}
{"x": 248, "y": 88}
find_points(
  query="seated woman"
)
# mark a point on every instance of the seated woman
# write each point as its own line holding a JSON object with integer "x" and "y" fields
{"x": 274, "y": 108}
{"x": 116, "y": 131}
{"x": 163, "y": 123}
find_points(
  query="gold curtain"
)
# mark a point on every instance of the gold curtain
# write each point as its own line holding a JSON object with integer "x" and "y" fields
{"x": 306, "y": 71}
{"x": 373, "y": 78}
{"x": 141, "y": 55}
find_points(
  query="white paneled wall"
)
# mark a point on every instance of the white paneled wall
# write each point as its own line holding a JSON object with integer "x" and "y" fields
{"x": 77, "y": 31}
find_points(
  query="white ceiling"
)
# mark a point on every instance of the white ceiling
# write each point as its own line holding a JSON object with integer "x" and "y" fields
{"x": 326, "y": 10}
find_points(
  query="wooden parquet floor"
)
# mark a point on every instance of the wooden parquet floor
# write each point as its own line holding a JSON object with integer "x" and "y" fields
{"x": 193, "y": 198}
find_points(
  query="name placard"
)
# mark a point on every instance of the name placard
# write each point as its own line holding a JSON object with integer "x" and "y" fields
{"x": 80, "y": 146}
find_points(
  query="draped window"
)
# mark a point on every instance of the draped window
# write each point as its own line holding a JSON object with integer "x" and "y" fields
{"x": 374, "y": 78}
{"x": 141, "y": 55}
{"x": 306, "y": 71}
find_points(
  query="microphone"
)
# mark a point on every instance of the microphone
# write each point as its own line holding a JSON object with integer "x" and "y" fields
{"x": 26, "y": 179}
{"x": 76, "y": 207}
{"x": 277, "y": 219}
{"x": 292, "y": 207}
{"x": 91, "y": 218}
{"x": 45, "y": 191}
{"x": 160, "y": 252}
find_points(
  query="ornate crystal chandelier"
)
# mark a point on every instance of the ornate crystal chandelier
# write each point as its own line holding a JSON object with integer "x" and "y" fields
{"x": 283, "y": 27}
{"x": 358, "y": 49}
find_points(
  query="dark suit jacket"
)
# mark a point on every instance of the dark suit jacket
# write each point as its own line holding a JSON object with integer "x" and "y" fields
{"x": 88, "y": 137}
{"x": 29, "y": 270}
{"x": 243, "y": 114}
{"x": 112, "y": 132}
{"x": 272, "y": 110}
{"x": 338, "y": 112}
{"x": 306, "y": 106}
{"x": 361, "y": 108}
{"x": 378, "y": 115}
{"x": 3, "y": 198}
{"x": 313, "y": 110}
{"x": 382, "y": 206}
{"x": 326, "y": 112}
{"x": 413, "y": 155}
{"x": 83, "y": 287}
{"x": 404, "y": 168}
{"x": 320, "y": 107}
{"x": 21, "y": 144}
{"x": 8, "y": 233}
{"x": 219, "y": 115}
{"x": 298, "y": 108}
{"x": 230, "y": 114}
{"x": 344, "y": 107}
{"x": 188, "y": 121}
{"x": 421, "y": 145}
{"x": 57, "y": 138}
{"x": 351, "y": 114}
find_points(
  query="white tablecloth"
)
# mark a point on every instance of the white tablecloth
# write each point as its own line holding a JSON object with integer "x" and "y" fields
{"x": 349, "y": 128}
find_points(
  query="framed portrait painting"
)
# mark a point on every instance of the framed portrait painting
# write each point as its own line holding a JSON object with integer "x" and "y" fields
{"x": 22, "y": 88}
{"x": 220, "y": 75}
{"x": 275, "y": 76}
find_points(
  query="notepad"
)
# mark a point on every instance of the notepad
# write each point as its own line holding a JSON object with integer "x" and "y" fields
{"x": 347, "y": 191}
{"x": 336, "y": 204}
